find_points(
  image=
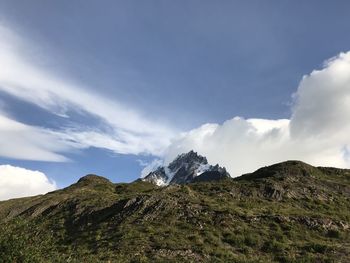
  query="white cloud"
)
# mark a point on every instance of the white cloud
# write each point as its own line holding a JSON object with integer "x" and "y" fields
{"x": 322, "y": 105}
{"x": 21, "y": 141}
{"x": 19, "y": 182}
{"x": 130, "y": 132}
{"x": 317, "y": 133}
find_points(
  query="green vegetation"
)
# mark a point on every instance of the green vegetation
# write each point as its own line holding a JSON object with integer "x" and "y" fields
{"x": 290, "y": 212}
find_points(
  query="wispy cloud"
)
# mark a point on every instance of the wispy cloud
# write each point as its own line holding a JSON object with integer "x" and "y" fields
{"x": 21, "y": 141}
{"x": 129, "y": 131}
{"x": 317, "y": 131}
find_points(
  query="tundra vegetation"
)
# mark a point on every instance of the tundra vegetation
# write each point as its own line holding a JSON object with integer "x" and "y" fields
{"x": 288, "y": 212}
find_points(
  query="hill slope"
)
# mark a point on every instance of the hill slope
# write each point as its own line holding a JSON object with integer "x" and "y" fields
{"x": 288, "y": 212}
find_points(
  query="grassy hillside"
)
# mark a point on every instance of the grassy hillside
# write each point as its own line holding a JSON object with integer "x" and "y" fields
{"x": 288, "y": 212}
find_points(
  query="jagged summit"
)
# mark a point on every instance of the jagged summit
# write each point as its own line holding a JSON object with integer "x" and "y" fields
{"x": 186, "y": 168}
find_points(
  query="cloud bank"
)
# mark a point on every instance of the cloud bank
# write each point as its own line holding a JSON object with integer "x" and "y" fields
{"x": 19, "y": 182}
{"x": 129, "y": 132}
{"x": 317, "y": 132}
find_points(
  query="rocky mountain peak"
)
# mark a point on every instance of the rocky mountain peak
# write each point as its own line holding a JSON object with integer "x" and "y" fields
{"x": 186, "y": 168}
{"x": 188, "y": 159}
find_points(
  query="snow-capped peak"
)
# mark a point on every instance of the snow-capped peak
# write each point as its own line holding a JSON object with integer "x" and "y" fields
{"x": 184, "y": 169}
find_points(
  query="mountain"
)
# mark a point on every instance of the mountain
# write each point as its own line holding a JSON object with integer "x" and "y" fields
{"x": 186, "y": 168}
{"x": 287, "y": 212}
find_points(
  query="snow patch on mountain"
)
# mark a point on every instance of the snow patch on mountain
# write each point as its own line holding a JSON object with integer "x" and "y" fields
{"x": 183, "y": 169}
{"x": 202, "y": 169}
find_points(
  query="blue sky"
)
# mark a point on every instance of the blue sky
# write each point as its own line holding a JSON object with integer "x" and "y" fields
{"x": 175, "y": 65}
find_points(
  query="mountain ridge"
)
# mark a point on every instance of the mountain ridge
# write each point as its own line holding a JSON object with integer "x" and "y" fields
{"x": 287, "y": 212}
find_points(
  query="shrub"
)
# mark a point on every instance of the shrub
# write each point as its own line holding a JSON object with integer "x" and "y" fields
{"x": 333, "y": 233}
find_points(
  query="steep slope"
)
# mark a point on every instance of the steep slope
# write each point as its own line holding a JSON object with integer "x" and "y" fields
{"x": 288, "y": 212}
{"x": 186, "y": 168}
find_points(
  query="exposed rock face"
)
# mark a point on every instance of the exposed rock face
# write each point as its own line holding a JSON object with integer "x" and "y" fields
{"x": 187, "y": 168}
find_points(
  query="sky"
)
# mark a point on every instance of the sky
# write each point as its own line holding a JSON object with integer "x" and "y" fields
{"x": 114, "y": 87}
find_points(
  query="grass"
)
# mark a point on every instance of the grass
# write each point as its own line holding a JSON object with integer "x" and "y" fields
{"x": 227, "y": 221}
